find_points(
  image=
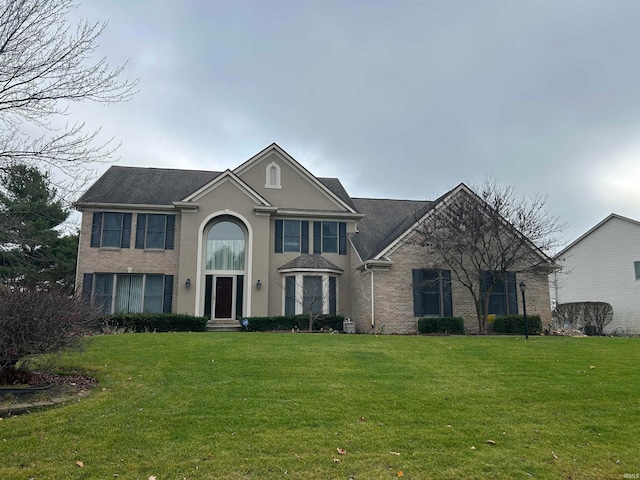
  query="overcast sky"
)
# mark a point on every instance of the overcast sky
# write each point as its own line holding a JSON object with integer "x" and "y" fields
{"x": 398, "y": 99}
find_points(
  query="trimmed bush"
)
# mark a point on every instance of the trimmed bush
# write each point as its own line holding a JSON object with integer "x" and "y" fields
{"x": 300, "y": 322}
{"x": 514, "y": 325}
{"x": 159, "y": 322}
{"x": 452, "y": 325}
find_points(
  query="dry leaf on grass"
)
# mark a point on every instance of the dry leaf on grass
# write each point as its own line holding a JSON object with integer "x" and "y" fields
{"x": 395, "y": 453}
{"x": 341, "y": 451}
{"x": 80, "y": 464}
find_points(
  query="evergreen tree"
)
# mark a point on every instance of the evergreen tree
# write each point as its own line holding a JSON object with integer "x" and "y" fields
{"x": 32, "y": 252}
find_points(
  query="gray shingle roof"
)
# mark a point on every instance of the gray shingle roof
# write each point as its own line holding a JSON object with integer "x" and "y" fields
{"x": 146, "y": 186}
{"x": 336, "y": 187}
{"x": 316, "y": 262}
{"x": 383, "y": 221}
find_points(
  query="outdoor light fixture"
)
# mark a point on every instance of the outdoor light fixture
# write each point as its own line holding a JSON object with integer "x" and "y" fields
{"x": 523, "y": 287}
{"x": 258, "y": 284}
{"x": 188, "y": 283}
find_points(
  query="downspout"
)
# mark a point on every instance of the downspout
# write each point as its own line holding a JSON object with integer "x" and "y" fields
{"x": 373, "y": 311}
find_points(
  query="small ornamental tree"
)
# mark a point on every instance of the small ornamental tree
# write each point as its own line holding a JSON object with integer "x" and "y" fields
{"x": 35, "y": 322}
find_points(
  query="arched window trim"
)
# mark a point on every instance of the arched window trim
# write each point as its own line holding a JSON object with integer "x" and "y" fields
{"x": 272, "y": 176}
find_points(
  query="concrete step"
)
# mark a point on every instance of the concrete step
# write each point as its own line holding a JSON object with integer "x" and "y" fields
{"x": 224, "y": 326}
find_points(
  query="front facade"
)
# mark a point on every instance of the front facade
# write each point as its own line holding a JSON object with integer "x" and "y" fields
{"x": 267, "y": 238}
{"x": 603, "y": 265}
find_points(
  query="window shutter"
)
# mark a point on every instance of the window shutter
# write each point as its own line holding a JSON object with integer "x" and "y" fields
{"x": 96, "y": 229}
{"x": 278, "y": 236}
{"x": 168, "y": 294}
{"x": 342, "y": 238}
{"x": 169, "y": 238}
{"x": 304, "y": 241}
{"x": 447, "y": 303}
{"x": 126, "y": 230}
{"x": 332, "y": 296}
{"x": 208, "y": 287}
{"x": 512, "y": 294}
{"x": 417, "y": 293}
{"x": 317, "y": 237}
{"x": 140, "y": 229}
{"x": 87, "y": 286}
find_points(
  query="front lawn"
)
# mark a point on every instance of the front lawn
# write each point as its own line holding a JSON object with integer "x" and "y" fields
{"x": 263, "y": 406}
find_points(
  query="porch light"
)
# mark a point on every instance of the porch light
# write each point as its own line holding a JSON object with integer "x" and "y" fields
{"x": 523, "y": 287}
{"x": 188, "y": 283}
{"x": 258, "y": 284}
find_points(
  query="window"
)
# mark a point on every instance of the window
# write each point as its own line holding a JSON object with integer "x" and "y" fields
{"x": 330, "y": 237}
{"x": 111, "y": 230}
{"x": 292, "y": 236}
{"x": 636, "y": 266}
{"x": 316, "y": 294}
{"x": 503, "y": 299}
{"x": 129, "y": 293}
{"x": 155, "y": 231}
{"x": 225, "y": 247}
{"x": 432, "y": 293}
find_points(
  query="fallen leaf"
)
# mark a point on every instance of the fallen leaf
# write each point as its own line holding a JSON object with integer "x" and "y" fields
{"x": 449, "y": 426}
{"x": 341, "y": 451}
{"x": 473, "y": 448}
{"x": 395, "y": 453}
{"x": 400, "y": 474}
{"x": 80, "y": 464}
{"x": 152, "y": 477}
{"x": 336, "y": 460}
{"x": 491, "y": 442}
{"x": 554, "y": 455}
{"x": 591, "y": 367}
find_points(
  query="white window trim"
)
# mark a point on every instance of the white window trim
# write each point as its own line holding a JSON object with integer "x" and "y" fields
{"x": 299, "y": 291}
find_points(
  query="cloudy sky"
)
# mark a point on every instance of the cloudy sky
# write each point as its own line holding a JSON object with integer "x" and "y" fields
{"x": 398, "y": 99}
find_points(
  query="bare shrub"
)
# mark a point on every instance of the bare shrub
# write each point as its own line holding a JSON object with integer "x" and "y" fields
{"x": 576, "y": 315}
{"x": 36, "y": 322}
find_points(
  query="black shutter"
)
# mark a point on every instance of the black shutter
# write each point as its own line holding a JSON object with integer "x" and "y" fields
{"x": 141, "y": 227}
{"x": 304, "y": 241}
{"x": 96, "y": 229}
{"x": 126, "y": 230}
{"x": 168, "y": 294}
{"x": 278, "y": 236}
{"x": 332, "y": 296}
{"x": 239, "y": 296}
{"x": 342, "y": 238}
{"x": 87, "y": 286}
{"x": 417, "y": 293}
{"x": 170, "y": 232}
{"x": 447, "y": 303}
{"x": 317, "y": 237}
{"x": 512, "y": 293}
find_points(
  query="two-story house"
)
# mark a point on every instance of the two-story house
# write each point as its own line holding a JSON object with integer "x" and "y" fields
{"x": 266, "y": 238}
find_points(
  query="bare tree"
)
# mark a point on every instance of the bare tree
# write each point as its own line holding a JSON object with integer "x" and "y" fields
{"x": 45, "y": 65}
{"x": 485, "y": 235}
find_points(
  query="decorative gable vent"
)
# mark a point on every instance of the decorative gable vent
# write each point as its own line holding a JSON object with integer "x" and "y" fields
{"x": 273, "y": 176}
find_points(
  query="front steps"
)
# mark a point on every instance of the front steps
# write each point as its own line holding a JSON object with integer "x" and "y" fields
{"x": 230, "y": 325}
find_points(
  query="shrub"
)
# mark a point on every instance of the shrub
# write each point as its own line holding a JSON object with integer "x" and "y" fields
{"x": 452, "y": 325}
{"x": 158, "y": 322}
{"x": 592, "y": 316}
{"x": 291, "y": 322}
{"x": 35, "y": 322}
{"x": 514, "y": 325}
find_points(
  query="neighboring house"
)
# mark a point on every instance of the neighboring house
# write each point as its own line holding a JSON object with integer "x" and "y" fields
{"x": 603, "y": 265}
{"x": 267, "y": 238}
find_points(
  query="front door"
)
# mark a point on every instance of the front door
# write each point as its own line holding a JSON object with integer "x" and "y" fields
{"x": 223, "y": 297}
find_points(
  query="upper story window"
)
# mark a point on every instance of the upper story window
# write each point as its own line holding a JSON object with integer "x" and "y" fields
{"x": 292, "y": 236}
{"x": 225, "y": 246}
{"x": 330, "y": 237}
{"x": 111, "y": 230}
{"x": 503, "y": 299}
{"x": 273, "y": 176}
{"x": 155, "y": 231}
{"x": 432, "y": 293}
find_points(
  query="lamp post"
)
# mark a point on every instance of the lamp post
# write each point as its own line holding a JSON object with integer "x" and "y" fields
{"x": 523, "y": 287}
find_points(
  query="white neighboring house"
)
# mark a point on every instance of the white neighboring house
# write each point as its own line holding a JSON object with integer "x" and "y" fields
{"x": 603, "y": 265}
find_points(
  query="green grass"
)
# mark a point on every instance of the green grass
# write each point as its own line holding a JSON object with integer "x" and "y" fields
{"x": 262, "y": 406}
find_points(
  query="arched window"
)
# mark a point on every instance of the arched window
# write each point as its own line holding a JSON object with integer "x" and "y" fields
{"x": 273, "y": 176}
{"x": 225, "y": 246}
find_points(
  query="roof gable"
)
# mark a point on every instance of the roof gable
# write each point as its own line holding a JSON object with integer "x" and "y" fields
{"x": 593, "y": 229}
{"x": 329, "y": 188}
{"x": 227, "y": 176}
